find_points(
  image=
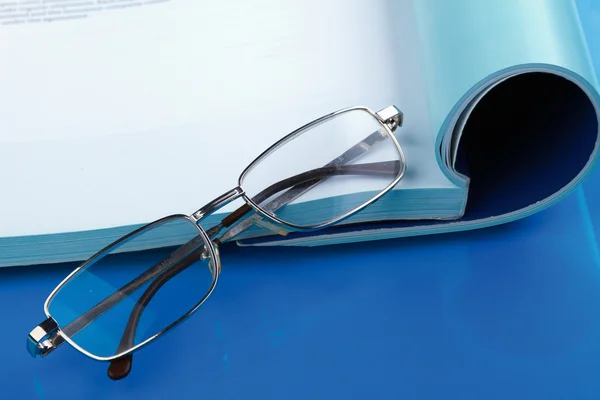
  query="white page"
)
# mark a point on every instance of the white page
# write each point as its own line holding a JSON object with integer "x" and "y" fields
{"x": 130, "y": 114}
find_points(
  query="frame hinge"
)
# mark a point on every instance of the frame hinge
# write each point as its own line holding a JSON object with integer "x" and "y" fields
{"x": 43, "y": 338}
{"x": 392, "y": 117}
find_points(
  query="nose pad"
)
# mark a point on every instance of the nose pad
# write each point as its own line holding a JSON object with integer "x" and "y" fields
{"x": 214, "y": 265}
{"x": 276, "y": 229}
{"x": 211, "y": 263}
{"x": 211, "y": 267}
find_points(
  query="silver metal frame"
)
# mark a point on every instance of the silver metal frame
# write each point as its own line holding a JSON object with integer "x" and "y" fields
{"x": 217, "y": 203}
{"x": 389, "y": 118}
{"x": 47, "y": 336}
{"x": 217, "y": 268}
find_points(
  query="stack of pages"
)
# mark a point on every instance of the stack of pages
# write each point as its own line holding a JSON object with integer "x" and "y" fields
{"x": 114, "y": 114}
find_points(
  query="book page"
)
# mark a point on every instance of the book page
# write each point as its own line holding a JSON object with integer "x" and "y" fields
{"x": 117, "y": 112}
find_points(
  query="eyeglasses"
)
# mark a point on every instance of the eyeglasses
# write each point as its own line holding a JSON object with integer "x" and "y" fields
{"x": 316, "y": 176}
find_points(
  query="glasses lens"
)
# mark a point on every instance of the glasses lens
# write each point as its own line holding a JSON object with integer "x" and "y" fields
{"x": 119, "y": 300}
{"x": 326, "y": 170}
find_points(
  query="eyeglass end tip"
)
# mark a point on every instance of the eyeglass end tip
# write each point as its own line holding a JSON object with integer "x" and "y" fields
{"x": 120, "y": 368}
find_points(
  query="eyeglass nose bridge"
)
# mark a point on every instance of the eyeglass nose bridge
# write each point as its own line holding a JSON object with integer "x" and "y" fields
{"x": 217, "y": 203}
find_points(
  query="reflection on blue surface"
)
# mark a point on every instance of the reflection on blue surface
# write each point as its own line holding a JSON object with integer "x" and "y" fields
{"x": 502, "y": 313}
{"x": 590, "y": 19}
{"x": 508, "y": 312}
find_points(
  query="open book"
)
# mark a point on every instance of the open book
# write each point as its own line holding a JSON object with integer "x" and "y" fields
{"x": 115, "y": 113}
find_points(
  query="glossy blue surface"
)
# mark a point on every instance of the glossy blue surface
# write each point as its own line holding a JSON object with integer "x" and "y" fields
{"x": 508, "y": 312}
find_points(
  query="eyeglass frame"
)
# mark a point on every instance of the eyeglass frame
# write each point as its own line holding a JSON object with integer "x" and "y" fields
{"x": 48, "y": 335}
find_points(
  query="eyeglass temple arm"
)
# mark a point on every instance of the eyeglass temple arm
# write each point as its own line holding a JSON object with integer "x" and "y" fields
{"x": 121, "y": 367}
{"x": 309, "y": 179}
{"x": 100, "y": 308}
{"x": 44, "y": 338}
{"x": 352, "y": 153}
{"x": 391, "y": 116}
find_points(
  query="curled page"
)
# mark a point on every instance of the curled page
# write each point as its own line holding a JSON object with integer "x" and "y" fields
{"x": 514, "y": 102}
